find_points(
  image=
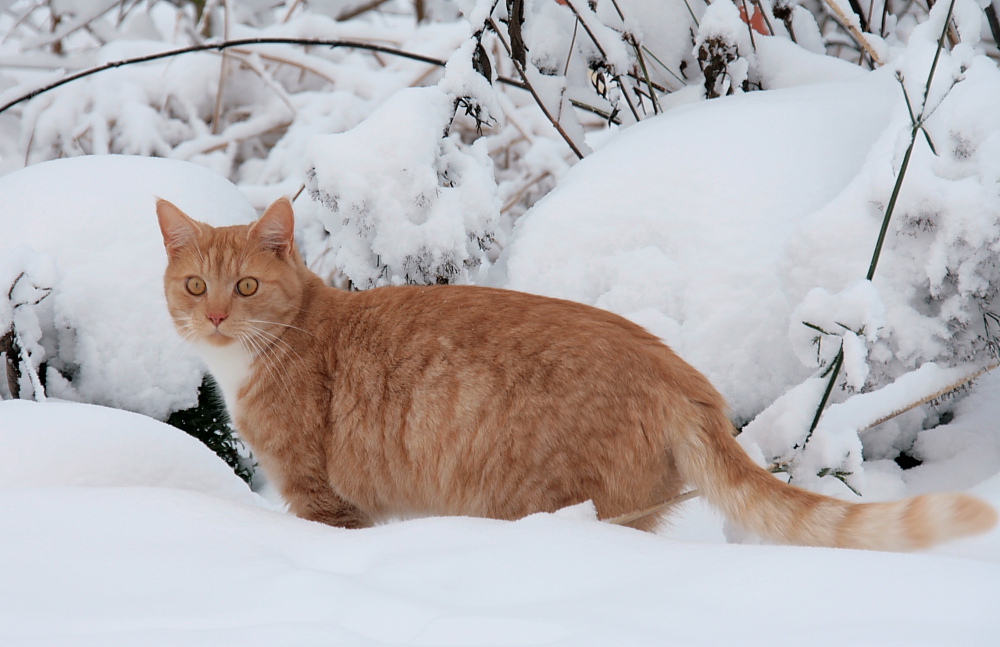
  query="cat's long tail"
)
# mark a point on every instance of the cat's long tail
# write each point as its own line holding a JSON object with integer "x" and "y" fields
{"x": 722, "y": 471}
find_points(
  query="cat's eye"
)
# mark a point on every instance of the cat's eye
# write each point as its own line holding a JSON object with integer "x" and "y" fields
{"x": 195, "y": 285}
{"x": 247, "y": 286}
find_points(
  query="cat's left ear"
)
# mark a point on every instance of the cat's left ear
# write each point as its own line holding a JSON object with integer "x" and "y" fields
{"x": 276, "y": 228}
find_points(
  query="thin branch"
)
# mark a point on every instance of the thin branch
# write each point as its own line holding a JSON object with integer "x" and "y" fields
{"x": 604, "y": 55}
{"x": 538, "y": 100}
{"x": 244, "y": 42}
{"x": 354, "y": 13}
{"x": 855, "y": 33}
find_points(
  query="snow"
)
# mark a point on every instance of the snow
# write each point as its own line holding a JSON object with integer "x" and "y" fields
{"x": 111, "y": 559}
{"x": 68, "y": 444}
{"x": 660, "y": 246}
{"x": 723, "y": 226}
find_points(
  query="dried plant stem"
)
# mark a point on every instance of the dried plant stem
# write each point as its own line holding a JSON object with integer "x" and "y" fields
{"x": 629, "y": 517}
{"x": 524, "y": 189}
{"x": 934, "y": 396}
{"x": 368, "y": 6}
{"x": 285, "y": 61}
{"x": 855, "y": 33}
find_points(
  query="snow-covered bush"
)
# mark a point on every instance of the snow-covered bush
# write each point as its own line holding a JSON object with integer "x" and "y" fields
{"x": 25, "y": 281}
{"x": 404, "y": 203}
{"x": 81, "y": 283}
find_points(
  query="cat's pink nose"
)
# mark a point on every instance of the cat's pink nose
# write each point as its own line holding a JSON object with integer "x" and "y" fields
{"x": 217, "y": 317}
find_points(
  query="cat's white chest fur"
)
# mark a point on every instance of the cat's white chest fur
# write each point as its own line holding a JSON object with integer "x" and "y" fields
{"x": 230, "y": 366}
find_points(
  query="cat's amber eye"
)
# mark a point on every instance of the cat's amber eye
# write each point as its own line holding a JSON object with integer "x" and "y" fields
{"x": 195, "y": 285}
{"x": 247, "y": 286}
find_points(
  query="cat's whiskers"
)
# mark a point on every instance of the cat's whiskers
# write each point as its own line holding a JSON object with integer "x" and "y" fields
{"x": 278, "y": 323}
{"x": 252, "y": 343}
{"x": 273, "y": 340}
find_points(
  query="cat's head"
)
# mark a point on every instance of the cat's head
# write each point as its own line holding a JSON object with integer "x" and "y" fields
{"x": 224, "y": 285}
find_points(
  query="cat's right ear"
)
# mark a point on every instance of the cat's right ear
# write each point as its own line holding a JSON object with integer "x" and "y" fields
{"x": 177, "y": 228}
{"x": 276, "y": 228}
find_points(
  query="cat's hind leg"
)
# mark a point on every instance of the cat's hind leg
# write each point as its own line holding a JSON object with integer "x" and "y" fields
{"x": 316, "y": 501}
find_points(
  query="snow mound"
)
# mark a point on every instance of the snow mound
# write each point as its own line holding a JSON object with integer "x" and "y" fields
{"x": 67, "y": 444}
{"x": 104, "y": 331}
{"x": 165, "y": 567}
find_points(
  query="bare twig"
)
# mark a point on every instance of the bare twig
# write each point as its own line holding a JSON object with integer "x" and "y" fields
{"x": 538, "y": 100}
{"x": 244, "y": 42}
{"x": 368, "y": 6}
{"x": 600, "y": 48}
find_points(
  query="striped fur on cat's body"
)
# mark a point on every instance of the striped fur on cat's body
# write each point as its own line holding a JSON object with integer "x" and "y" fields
{"x": 461, "y": 400}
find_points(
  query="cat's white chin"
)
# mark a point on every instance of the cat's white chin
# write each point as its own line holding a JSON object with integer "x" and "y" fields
{"x": 229, "y": 364}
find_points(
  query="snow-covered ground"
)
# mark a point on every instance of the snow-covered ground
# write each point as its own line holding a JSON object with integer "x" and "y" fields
{"x": 722, "y": 226}
{"x": 119, "y": 530}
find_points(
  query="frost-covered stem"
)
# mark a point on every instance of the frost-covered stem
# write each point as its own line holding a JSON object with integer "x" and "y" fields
{"x": 855, "y": 33}
{"x": 838, "y": 363}
{"x": 917, "y": 126}
{"x": 13, "y": 348}
{"x": 240, "y": 42}
{"x": 38, "y": 390}
{"x": 937, "y": 394}
{"x": 538, "y": 100}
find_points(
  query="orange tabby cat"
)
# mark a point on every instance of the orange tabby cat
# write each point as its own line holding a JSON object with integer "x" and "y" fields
{"x": 460, "y": 400}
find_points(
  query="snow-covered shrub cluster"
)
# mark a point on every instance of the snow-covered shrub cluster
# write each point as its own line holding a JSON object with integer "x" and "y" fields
{"x": 402, "y": 203}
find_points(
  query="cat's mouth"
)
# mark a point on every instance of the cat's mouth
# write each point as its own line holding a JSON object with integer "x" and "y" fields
{"x": 216, "y": 337}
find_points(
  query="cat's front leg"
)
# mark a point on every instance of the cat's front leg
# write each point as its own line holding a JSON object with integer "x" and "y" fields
{"x": 343, "y": 516}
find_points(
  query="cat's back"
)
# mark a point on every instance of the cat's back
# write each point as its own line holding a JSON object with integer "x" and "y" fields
{"x": 499, "y": 337}
{"x": 478, "y": 314}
